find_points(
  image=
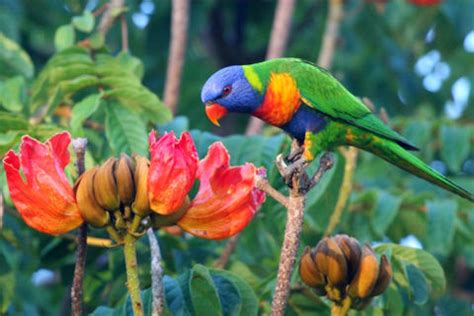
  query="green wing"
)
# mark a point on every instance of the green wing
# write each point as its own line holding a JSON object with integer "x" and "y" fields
{"x": 321, "y": 91}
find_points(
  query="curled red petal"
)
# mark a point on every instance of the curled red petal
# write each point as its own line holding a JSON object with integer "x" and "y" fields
{"x": 46, "y": 200}
{"x": 227, "y": 198}
{"x": 172, "y": 171}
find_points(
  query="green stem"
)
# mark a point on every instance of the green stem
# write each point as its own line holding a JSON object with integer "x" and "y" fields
{"x": 133, "y": 283}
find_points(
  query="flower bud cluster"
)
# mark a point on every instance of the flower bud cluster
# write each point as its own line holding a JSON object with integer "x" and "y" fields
{"x": 108, "y": 194}
{"x": 347, "y": 273}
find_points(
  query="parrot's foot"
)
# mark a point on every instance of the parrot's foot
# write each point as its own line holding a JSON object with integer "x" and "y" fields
{"x": 296, "y": 152}
{"x": 290, "y": 171}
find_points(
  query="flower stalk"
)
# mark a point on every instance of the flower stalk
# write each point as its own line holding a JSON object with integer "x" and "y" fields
{"x": 133, "y": 282}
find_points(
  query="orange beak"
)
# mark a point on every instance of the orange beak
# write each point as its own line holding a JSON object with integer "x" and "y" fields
{"x": 215, "y": 112}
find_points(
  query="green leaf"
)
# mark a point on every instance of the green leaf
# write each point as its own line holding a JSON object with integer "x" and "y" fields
{"x": 103, "y": 311}
{"x": 422, "y": 260}
{"x": 248, "y": 301}
{"x": 9, "y": 139}
{"x": 174, "y": 297}
{"x": 64, "y": 37}
{"x": 418, "y": 284}
{"x": 83, "y": 110}
{"x": 386, "y": 209}
{"x": 455, "y": 146}
{"x": 84, "y": 23}
{"x": 13, "y": 59}
{"x": 125, "y": 130}
{"x": 7, "y": 281}
{"x": 203, "y": 292}
{"x": 178, "y": 125}
{"x": 9, "y": 122}
{"x": 441, "y": 226}
{"x": 12, "y": 94}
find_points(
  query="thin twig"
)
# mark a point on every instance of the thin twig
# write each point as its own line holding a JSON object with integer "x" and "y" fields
{"x": 124, "y": 32}
{"x": 229, "y": 248}
{"x": 1, "y": 210}
{"x": 114, "y": 9}
{"x": 276, "y": 47}
{"x": 294, "y": 223}
{"x": 350, "y": 155}
{"x": 263, "y": 184}
{"x": 179, "y": 29}
{"x": 79, "y": 146}
{"x": 157, "y": 291}
{"x": 331, "y": 33}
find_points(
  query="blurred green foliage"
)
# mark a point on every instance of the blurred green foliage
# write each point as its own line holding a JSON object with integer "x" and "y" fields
{"x": 413, "y": 61}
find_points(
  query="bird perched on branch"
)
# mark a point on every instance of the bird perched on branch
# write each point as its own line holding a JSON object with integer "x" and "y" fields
{"x": 309, "y": 104}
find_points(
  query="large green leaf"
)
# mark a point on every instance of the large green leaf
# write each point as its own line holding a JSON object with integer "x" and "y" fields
{"x": 83, "y": 110}
{"x": 84, "y": 22}
{"x": 64, "y": 37}
{"x": 386, "y": 209}
{"x": 11, "y": 122}
{"x": 455, "y": 145}
{"x": 422, "y": 260}
{"x": 203, "y": 292}
{"x": 12, "y": 94}
{"x": 441, "y": 226}
{"x": 125, "y": 131}
{"x": 247, "y": 300}
{"x": 418, "y": 284}
{"x": 13, "y": 59}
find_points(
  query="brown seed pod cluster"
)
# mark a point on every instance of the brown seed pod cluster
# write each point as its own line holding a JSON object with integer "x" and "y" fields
{"x": 346, "y": 272}
{"x": 115, "y": 192}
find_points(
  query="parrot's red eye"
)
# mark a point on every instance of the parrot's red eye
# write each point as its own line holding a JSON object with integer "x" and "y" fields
{"x": 226, "y": 90}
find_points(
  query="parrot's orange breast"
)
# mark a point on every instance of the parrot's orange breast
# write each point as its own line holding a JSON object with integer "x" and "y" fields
{"x": 282, "y": 99}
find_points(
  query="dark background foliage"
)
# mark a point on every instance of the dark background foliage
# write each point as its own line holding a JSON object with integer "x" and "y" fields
{"x": 417, "y": 62}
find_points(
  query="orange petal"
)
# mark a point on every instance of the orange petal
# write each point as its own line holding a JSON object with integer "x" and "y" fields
{"x": 227, "y": 198}
{"x": 46, "y": 200}
{"x": 172, "y": 172}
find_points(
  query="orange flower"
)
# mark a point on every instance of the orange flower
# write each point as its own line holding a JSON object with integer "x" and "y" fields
{"x": 46, "y": 200}
{"x": 172, "y": 171}
{"x": 227, "y": 198}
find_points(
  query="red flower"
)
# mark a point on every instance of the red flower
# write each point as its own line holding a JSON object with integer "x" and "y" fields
{"x": 425, "y": 2}
{"x": 227, "y": 198}
{"x": 46, "y": 200}
{"x": 172, "y": 171}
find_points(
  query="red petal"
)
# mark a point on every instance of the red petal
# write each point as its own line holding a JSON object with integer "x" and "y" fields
{"x": 227, "y": 198}
{"x": 46, "y": 201}
{"x": 172, "y": 172}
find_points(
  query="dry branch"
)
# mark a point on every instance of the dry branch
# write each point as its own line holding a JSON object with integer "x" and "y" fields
{"x": 179, "y": 29}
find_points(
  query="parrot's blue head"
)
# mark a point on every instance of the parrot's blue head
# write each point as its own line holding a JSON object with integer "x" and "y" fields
{"x": 228, "y": 90}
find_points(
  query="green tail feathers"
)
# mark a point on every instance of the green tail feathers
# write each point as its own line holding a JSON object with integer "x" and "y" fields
{"x": 400, "y": 157}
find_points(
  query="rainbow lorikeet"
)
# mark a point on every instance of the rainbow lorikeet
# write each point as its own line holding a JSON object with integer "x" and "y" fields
{"x": 313, "y": 107}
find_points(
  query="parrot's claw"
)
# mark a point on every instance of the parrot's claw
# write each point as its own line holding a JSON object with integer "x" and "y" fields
{"x": 295, "y": 155}
{"x": 294, "y": 169}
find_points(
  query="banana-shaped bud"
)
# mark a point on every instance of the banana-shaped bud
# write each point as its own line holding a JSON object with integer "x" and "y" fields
{"x": 141, "y": 205}
{"x": 124, "y": 179}
{"x": 385, "y": 276}
{"x": 366, "y": 275}
{"x": 90, "y": 210}
{"x": 105, "y": 187}
{"x": 331, "y": 262}
{"x": 337, "y": 265}
{"x": 309, "y": 273}
{"x": 351, "y": 249}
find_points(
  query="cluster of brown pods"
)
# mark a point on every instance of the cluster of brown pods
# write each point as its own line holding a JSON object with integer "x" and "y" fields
{"x": 114, "y": 195}
{"x": 347, "y": 273}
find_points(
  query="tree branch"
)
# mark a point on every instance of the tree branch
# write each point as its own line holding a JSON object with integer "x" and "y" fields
{"x": 179, "y": 28}
{"x": 350, "y": 154}
{"x": 278, "y": 41}
{"x": 294, "y": 224}
{"x": 79, "y": 146}
{"x": 158, "y": 302}
{"x": 114, "y": 9}
{"x": 331, "y": 33}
